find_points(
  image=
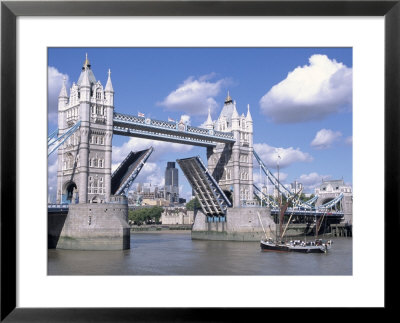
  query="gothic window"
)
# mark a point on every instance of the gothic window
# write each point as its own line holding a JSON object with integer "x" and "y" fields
{"x": 90, "y": 165}
{"x": 79, "y": 95}
{"x": 98, "y": 95}
{"x": 242, "y": 196}
{"x": 100, "y": 163}
{"x": 228, "y": 173}
{"x": 95, "y": 162}
{"x": 96, "y": 139}
{"x": 102, "y": 140}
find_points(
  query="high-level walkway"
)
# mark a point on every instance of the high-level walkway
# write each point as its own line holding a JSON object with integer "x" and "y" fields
{"x": 178, "y": 132}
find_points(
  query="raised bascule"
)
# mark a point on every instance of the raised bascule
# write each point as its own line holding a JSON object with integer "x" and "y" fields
{"x": 94, "y": 197}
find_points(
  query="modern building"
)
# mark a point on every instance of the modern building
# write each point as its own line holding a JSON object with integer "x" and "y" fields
{"x": 171, "y": 188}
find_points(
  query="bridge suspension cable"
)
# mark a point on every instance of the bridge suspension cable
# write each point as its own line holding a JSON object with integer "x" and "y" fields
{"x": 54, "y": 141}
{"x": 262, "y": 196}
{"x": 282, "y": 188}
{"x": 278, "y": 185}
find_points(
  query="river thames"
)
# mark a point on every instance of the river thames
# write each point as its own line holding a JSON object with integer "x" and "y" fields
{"x": 176, "y": 253}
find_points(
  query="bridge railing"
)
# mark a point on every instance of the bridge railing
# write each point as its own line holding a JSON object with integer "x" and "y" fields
{"x": 174, "y": 127}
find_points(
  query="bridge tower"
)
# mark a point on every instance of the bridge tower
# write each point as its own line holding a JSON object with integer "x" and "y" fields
{"x": 331, "y": 189}
{"x": 232, "y": 164}
{"x": 84, "y": 160}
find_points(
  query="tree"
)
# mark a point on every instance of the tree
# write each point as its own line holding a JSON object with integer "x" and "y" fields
{"x": 145, "y": 215}
{"x": 193, "y": 204}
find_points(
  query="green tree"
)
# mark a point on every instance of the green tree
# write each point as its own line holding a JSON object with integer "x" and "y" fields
{"x": 145, "y": 215}
{"x": 193, "y": 204}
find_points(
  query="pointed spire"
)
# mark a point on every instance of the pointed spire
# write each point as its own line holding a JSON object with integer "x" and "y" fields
{"x": 235, "y": 114}
{"x": 86, "y": 63}
{"x": 63, "y": 92}
{"x": 109, "y": 87}
{"x": 85, "y": 79}
{"x": 248, "y": 117}
{"x": 209, "y": 120}
{"x": 228, "y": 99}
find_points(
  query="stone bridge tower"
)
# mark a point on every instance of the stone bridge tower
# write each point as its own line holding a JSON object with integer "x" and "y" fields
{"x": 331, "y": 189}
{"x": 84, "y": 160}
{"x": 232, "y": 166}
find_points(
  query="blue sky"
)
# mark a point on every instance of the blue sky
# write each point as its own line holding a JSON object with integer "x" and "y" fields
{"x": 300, "y": 100}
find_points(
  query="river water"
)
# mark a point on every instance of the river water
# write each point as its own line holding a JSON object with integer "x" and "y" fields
{"x": 177, "y": 254}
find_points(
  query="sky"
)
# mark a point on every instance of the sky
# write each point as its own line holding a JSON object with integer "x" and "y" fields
{"x": 300, "y": 100}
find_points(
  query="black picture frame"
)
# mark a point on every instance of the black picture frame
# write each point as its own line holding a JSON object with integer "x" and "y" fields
{"x": 10, "y": 10}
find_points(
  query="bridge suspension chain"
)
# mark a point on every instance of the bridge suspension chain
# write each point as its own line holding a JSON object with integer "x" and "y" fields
{"x": 54, "y": 141}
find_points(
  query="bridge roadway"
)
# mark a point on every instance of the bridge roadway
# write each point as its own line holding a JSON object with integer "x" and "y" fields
{"x": 62, "y": 208}
{"x": 309, "y": 213}
{"x": 178, "y": 132}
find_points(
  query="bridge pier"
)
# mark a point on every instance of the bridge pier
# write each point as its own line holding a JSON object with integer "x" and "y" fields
{"x": 101, "y": 226}
{"x": 242, "y": 224}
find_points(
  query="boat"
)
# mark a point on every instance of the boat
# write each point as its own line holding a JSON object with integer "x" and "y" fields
{"x": 278, "y": 245}
{"x": 316, "y": 246}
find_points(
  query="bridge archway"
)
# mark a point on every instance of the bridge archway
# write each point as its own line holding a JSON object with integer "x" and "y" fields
{"x": 68, "y": 191}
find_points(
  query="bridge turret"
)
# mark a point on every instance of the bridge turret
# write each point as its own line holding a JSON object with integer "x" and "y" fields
{"x": 249, "y": 126}
{"x": 109, "y": 91}
{"x": 84, "y": 110}
{"x": 209, "y": 123}
{"x": 235, "y": 119}
{"x": 62, "y": 105}
{"x": 109, "y": 113}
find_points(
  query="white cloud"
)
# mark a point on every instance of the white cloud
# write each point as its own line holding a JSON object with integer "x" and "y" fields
{"x": 349, "y": 140}
{"x": 52, "y": 166}
{"x": 195, "y": 96}
{"x": 136, "y": 144}
{"x": 152, "y": 172}
{"x": 312, "y": 181}
{"x": 310, "y": 92}
{"x": 325, "y": 138}
{"x": 269, "y": 155}
{"x": 54, "y": 81}
{"x": 186, "y": 119}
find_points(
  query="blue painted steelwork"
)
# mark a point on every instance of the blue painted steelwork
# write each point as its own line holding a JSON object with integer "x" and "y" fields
{"x": 282, "y": 189}
{"x": 212, "y": 199}
{"x": 310, "y": 202}
{"x": 124, "y": 187}
{"x": 53, "y": 141}
{"x": 331, "y": 203}
{"x": 278, "y": 185}
{"x": 178, "y": 132}
{"x": 269, "y": 200}
{"x": 314, "y": 213}
{"x": 57, "y": 208}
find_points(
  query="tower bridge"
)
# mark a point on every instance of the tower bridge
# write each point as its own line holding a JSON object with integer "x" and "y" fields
{"x": 87, "y": 122}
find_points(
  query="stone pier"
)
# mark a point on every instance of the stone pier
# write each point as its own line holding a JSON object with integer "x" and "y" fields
{"x": 96, "y": 227}
{"x": 242, "y": 224}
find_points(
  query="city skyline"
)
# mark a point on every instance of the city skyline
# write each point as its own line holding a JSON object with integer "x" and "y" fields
{"x": 300, "y": 100}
